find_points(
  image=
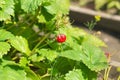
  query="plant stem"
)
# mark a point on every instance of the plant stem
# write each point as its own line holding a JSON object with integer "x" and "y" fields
{"x": 40, "y": 41}
{"x": 107, "y": 71}
{"x": 118, "y": 78}
{"x": 45, "y": 75}
{"x": 33, "y": 35}
{"x": 105, "y": 74}
{"x": 52, "y": 67}
{"x": 13, "y": 52}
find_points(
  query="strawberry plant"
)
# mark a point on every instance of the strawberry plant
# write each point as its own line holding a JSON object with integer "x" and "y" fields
{"x": 29, "y": 49}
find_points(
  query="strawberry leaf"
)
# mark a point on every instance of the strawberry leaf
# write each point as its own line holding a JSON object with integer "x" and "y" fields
{"x": 21, "y": 44}
{"x": 55, "y": 8}
{"x": 30, "y": 5}
{"x": 71, "y": 54}
{"x": 49, "y": 54}
{"x": 93, "y": 57}
{"x": 12, "y": 73}
{"x": 76, "y": 74}
{"x": 4, "y": 35}
{"x": 7, "y": 9}
{"x": 4, "y": 48}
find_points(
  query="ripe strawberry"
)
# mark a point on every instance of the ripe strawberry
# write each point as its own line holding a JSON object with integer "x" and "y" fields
{"x": 61, "y": 38}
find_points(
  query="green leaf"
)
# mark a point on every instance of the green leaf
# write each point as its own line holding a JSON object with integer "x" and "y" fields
{"x": 99, "y": 3}
{"x": 23, "y": 61}
{"x": 49, "y": 54}
{"x": 94, "y": 40}
{"x": 62, "y": 65}
{"x": 9, "y": 67}
{"x": 4, "y": 35}
{"x": 111, "y": 4}
{"x": 46, "y": 15}
{"x": 41, "y": 19}
{"x": 20, "y": 44}
{"x": 117, "y": 5}
{"x": 31, "y": 75}
{"x": 78, "y": 36}
{"x": 71, "y": 54}
{"x": 81, "y": 73}
{"x": 4, "y": 48}
{"x": 58, "y": 6}
{"x": 83, "y": 36}
{"x": 2, "y": 2}
{"x": 93, "y": 57}
{"x": 86, "y": 72}
{"x": 30, "y": 5}
{"x": 36, "y": 58}
{"x": 75, "y": 74}
{"x": 12, "y": 73}
{"x": 114, "y": 4}
{"x": 7, "y": 9}
{"x": 26, "y": 32}
{"x": 7, "y": 62}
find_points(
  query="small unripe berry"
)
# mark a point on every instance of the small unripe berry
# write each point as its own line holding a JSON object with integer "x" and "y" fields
{"x": 107, "y": 54}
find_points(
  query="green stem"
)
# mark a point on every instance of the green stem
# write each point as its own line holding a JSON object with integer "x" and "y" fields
{"x": 118, "y": 78}
{"x": 53, "y": 66}
{"x": 107, "y": 71}
{"x": 40, "y": 41}
{"x": 60, "y": 47}
{"x": 45, "y": 75}
{"x": 46, "y": 44}
{"x": 105, "y": 74}
{"x": 33, "y": 35}
{"x": 13, "y": 52}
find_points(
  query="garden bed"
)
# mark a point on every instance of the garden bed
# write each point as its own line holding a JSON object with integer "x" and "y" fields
{"x": 81, "y": 15}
